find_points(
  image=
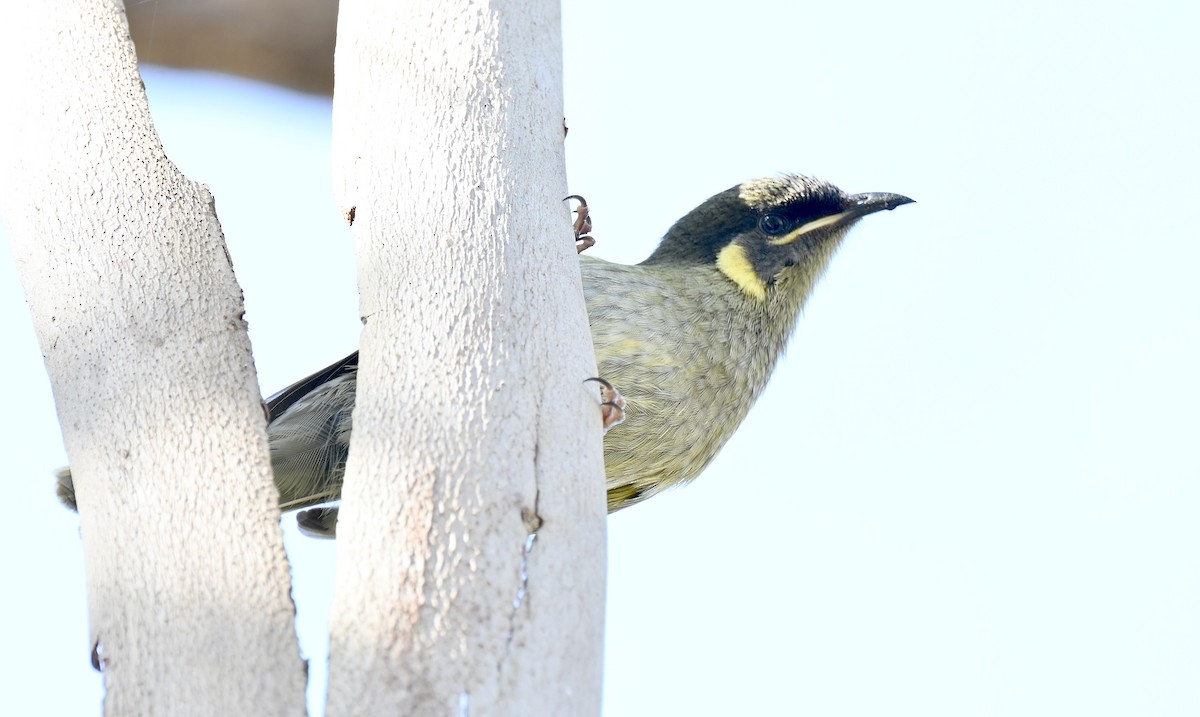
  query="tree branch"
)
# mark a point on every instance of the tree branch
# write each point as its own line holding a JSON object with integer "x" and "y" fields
{"x": 473, "y": 427}
{"x": 140, "y": 320}
{"x": 284, "y": 42}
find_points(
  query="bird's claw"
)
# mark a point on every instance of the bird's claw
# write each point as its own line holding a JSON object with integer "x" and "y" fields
{"x": 582, "y": 225}
{"x": 98, "y": 659}
{"x": 612, "y": 406}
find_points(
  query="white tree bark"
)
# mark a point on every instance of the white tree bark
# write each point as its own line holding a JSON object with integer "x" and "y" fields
{"x": 474, "y": 428}
{"x": 140, "y": 320}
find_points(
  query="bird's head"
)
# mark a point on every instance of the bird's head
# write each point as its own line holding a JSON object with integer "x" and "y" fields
{"x": 760, "y": 231}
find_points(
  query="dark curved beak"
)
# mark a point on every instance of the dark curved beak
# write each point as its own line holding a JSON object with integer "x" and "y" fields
{"x": 860, "y": 205}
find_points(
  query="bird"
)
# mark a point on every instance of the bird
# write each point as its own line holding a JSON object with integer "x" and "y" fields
{"x": 689, "y": 337}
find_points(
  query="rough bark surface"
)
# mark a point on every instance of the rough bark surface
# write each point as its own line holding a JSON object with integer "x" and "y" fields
{"x": 140, "y": 320}
{"x": 474, "y": 428}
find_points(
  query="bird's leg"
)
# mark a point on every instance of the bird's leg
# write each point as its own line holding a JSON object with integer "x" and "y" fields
{"x": 612, "y": 407}
{"x": 582, "y": 225}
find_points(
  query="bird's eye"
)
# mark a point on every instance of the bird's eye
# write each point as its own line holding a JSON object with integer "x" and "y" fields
{"x": 772, "y": 224}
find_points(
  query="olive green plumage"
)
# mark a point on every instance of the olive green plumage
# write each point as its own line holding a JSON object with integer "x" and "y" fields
{"x": 688, "y": 346}
{"x": 690, "y": 352}
{"x": 689, "y": 336}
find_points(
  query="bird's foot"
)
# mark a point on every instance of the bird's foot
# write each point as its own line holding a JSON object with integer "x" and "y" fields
{"x": 582, "y": 225}
{"x": 612, "y": 406}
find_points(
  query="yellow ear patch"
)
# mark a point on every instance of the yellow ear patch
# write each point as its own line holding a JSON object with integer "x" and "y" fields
{"x": 734, "y": 263}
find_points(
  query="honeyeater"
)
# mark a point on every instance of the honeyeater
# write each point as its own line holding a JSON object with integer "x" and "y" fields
{"x": 689, "y": 337}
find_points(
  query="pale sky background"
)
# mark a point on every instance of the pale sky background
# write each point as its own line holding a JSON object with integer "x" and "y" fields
{"x": 973, "y": 485}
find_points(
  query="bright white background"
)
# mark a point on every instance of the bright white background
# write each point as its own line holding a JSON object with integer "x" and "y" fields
{"x": 973, "y": 485}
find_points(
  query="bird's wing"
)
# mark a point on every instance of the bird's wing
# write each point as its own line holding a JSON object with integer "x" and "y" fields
{"x": 284, "y": 399}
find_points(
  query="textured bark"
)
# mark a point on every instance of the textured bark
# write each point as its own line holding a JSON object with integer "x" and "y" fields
{"x": 140, "y": 320}
{"x": 474, "y": 428}
{"x": 284, "y": 42}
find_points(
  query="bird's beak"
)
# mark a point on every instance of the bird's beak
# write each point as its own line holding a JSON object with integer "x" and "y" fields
{"x": 860, "y": 205}
{"x": 856, "y": 207}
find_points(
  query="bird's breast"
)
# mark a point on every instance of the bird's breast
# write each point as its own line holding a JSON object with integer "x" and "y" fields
{"x": 689, "y": 357}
